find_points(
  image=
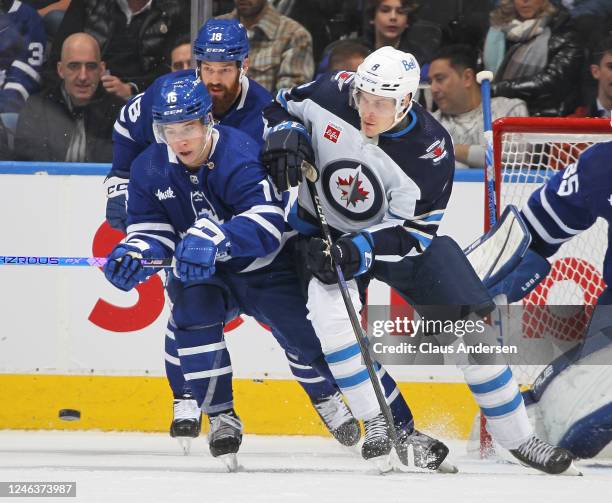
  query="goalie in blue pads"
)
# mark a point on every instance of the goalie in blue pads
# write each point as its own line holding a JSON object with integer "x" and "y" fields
{"x": 578, "y": 417}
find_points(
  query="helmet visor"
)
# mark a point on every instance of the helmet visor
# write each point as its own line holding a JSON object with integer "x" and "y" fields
{"x": 181, "y": 131}
{"x": 367, "y": 103}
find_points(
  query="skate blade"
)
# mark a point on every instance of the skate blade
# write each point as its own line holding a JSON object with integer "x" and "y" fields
{"x": 382, "y": 464}
{"x": 572, "y": 471}
{"x": 185, "y": 443}
{"x": 230, "y": 461}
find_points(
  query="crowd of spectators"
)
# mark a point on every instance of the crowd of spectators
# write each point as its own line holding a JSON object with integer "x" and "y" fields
{"x": 67, "y": 66}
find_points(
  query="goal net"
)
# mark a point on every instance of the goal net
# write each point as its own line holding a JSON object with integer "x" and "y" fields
{"x": 527, "y": 152}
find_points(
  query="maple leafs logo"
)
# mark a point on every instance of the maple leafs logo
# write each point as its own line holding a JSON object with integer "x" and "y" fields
{"x": 352, "y": 191}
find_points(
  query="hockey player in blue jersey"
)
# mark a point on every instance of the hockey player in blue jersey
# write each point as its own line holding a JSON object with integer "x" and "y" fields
{"x": 21, "y": 77}
{"x": 205, "y": 199}
{"x": 568, "y": 204}
{"x": 221, "y": 52}
{"x": 385, "y": 176}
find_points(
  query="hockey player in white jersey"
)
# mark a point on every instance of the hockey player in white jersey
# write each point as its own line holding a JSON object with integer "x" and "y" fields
{"x": 385, "y": 176}
{"x": 572, "y": 397}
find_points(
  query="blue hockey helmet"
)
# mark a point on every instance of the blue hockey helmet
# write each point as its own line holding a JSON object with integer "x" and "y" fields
{"x": 221, "y": 40}
{"x": 181, "y": 99}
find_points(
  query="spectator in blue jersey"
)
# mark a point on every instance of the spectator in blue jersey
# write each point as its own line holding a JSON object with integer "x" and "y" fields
{"x": 20, "y": 77}
{"x": 134, "y": 37}
{"x": 72, "y": 121}
{"x": 533, "y": 50}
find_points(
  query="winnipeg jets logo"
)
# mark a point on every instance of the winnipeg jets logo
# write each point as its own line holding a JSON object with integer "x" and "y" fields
{"x": 436, "y": 151}
{"x": 166, "y": 194}
{"x": 610, "y": 200}
{"x": 351, "y": 188}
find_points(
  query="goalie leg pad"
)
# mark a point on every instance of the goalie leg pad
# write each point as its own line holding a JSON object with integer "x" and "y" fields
{"x": 588, "y": 436}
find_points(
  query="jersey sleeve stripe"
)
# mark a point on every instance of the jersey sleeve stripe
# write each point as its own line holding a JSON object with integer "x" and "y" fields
{"x": 122, "y": 131}
{"x": 150, "y": 226}
{"x": 546, "y": 205}
{"x": 27, "y": 69}
{"x": 168, "y": 243}
{"x": 15, "y": 86}
{"x": 539, "y": 228}
{"x": 271, "y": 228}
{"x": 264, "y": 208}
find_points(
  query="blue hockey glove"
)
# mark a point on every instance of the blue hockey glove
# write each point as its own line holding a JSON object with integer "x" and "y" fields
{"x": 286, "y": 146}
{"x": 124, "y": 268}
{"x": 353, "y": 253}
{"x": 116, "y": 202}
{"x": 197, "y": 253}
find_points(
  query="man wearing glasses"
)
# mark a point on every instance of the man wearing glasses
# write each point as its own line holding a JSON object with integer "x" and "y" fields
{"x": 72, "y": 122}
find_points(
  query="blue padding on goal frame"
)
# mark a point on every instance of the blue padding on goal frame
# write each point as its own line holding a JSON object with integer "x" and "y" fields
{"x": 102, "y": 169}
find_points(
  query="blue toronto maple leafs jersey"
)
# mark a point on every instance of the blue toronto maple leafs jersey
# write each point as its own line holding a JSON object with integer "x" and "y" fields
{"x": 22, "y": 77}
{"x": 396, "y": 186}
{"x": 232, "y": 191}
{"x": 133, "y": 130}
{"x": 571, "y": 201}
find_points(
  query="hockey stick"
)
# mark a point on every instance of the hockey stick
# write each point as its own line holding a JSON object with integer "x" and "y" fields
{"x": 311, "y": 176}
{"x": 75, "y": 261}
{"x": 484, "y": 78}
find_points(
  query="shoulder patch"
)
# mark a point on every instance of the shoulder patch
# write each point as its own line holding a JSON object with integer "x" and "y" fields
{"x": 436, "y": 151}
{"x": 344, "y": 78}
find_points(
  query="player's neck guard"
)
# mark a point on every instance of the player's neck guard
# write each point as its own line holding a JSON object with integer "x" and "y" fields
{"x": 401, "y": 128}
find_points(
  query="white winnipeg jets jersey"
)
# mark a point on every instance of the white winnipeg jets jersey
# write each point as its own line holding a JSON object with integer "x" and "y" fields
{"x": 396, "y": 185}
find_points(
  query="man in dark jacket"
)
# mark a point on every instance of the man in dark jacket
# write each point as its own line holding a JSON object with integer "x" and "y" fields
{"x": 135, "y": 37}
{"x": 73, "y": 121}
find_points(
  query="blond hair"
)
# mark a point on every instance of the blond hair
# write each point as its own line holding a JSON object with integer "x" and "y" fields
{"x": 506, "y": 12}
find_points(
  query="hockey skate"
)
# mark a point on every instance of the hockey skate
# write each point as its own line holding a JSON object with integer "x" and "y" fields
{"x": 428, "y": 452}
{"x": 338, "y": 419}
{"x": 186, "y": 422}
{"x": 225, "y": 437}
{"x": 377, "y": 444}
{"x": 544, "y": 457}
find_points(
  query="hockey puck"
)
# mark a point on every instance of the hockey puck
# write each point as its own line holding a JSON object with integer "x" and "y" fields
{"x": 69, "y": 414}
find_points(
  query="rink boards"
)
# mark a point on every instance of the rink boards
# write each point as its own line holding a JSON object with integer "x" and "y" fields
{"x": 71, "y": 340}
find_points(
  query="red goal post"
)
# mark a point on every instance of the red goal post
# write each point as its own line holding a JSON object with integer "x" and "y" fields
{"x": 527, "y": 152}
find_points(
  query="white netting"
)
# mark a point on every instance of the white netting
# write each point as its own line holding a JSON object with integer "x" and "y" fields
{"x": 529, "y": 158}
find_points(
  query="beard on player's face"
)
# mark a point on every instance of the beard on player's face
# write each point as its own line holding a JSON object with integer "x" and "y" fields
{"x": 223, "y": 96}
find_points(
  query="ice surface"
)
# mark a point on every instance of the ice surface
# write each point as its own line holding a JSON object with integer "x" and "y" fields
{"x": 133, "y": 468}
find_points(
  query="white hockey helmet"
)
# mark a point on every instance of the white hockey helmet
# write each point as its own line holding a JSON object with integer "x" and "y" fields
{"x": 389, "y": 73}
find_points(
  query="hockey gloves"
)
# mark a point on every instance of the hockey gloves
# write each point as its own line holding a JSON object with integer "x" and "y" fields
{"x": 197, "y": 252}
{"x": 124, "y": 268}
{"x": 116, "y": 202}
{"x": 286, "y": 146}
{"x": 353, "y": 253}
